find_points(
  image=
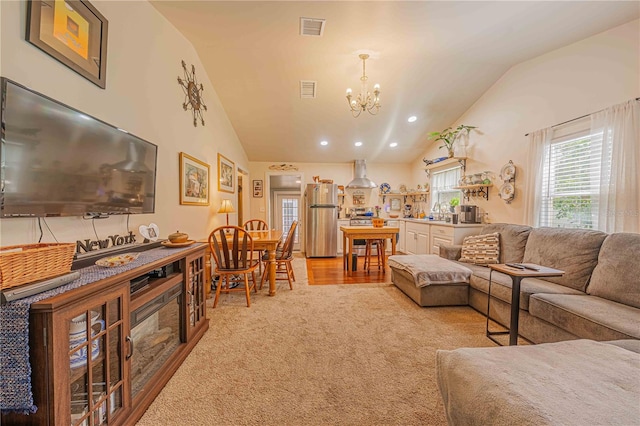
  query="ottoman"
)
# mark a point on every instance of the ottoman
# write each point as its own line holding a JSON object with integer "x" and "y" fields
{"x": 430, "y": 280}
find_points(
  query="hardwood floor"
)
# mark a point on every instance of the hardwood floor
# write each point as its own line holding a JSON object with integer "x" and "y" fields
{"x": 323, "y": 271}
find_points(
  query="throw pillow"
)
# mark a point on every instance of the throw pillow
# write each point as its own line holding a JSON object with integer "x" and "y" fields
{"x": 481, "y": 249}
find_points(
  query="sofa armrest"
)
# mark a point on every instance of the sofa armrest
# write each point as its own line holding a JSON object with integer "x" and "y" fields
{"x": 451, "y": 251}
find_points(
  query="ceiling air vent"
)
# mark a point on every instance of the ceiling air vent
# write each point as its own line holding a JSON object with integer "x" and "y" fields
{"x": 308, "y": 89}
{"x": 311, "y": 27}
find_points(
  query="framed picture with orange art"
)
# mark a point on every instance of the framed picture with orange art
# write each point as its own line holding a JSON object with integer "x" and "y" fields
{"x": 194, "y": 181}
{"x": 72, "y": 32}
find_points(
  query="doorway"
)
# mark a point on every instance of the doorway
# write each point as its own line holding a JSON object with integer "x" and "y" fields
{"x": 284, "y": 203}
{"x": 287, "y": 210}
{"x": 243, "y": 180}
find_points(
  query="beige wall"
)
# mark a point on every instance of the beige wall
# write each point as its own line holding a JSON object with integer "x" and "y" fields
{"x": 143, "y": 97}
{"x": 567, "y": 83}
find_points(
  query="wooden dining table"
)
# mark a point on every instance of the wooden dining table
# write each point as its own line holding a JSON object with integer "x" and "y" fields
{"x": 268, "y": 240}
{"x": 262, "y": 240}
{"x": 367, "y": 233}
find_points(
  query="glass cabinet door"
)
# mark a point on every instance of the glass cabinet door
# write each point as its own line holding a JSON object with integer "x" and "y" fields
{"x": 96, "y": 364}
{"x": 196, "y": 301}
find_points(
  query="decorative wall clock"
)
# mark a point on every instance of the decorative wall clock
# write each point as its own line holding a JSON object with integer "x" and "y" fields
{"x": 192, "y": 94}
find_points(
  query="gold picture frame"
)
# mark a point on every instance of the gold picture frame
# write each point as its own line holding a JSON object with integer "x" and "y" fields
{"x": 194, "y": 181}
{"x": 72, "y": 32}
{"x": 226, "y": 174}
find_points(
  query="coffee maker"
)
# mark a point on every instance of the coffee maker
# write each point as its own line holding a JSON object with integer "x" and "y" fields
{"x": 469, "y": 214}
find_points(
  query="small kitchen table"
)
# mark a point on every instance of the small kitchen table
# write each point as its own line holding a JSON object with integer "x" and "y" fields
{"x": 367, "y": 233}
{"x": 516, "y": 275}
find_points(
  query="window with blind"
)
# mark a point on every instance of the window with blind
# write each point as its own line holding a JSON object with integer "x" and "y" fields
{"x": 571, "y": 178}
{"x": 442, "y": 184}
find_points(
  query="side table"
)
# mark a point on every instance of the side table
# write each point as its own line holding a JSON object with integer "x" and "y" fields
{"x": 516, "y": 275}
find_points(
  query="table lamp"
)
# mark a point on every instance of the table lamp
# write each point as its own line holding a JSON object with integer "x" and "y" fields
{"x": 226, "y": 207}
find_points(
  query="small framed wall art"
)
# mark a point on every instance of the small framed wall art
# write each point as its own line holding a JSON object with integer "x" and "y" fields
{"x": 194, "y": 181}
{"x": 257, "y": 189}
{"x": 395, "y": 204}
{"x": 73, "y": 32}
{"x": 226, "y": 174}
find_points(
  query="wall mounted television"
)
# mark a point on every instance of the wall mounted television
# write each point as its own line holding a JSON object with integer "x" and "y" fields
{"x": 58, "y": 161}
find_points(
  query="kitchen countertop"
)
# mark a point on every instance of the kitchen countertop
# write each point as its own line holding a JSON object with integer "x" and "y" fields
{"x": 432, "y": 222}
{"x": 438, "y": 222}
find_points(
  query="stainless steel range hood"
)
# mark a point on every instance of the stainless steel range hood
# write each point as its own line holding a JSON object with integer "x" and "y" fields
{"x": 360, "y": 180}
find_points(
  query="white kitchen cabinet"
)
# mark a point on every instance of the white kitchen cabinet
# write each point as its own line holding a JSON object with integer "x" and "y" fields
{"x": 440, "y": 235}
{"x": 416, "y": 238}
{"x": 400, "y": 245}
{"x": 451, "y": 234}
{"x": 341, "y": 222}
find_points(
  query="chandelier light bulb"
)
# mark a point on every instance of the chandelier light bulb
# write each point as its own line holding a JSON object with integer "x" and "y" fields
{"x": 364, "y": 101}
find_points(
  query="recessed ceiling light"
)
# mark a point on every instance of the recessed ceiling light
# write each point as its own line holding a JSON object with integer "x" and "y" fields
{"x": 324, "y": 143}
{"x": 358, "y": 144}
{"x": 412, "y": 119}
{"x": 393, "y": 144}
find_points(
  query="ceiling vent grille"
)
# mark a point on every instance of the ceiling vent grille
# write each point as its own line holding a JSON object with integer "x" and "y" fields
{"x": 308, "y": 89}
{"x": 311, "y": 27}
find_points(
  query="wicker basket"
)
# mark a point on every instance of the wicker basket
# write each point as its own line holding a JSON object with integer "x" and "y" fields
{"x": 377, "y": 222}
{"x": 33, "y": 262}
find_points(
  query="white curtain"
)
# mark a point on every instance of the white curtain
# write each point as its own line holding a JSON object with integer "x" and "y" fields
{"x": 539, "y": 142}
{"x": 619, "y": 203}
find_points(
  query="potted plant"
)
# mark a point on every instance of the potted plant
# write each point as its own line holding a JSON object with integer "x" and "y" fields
{"x": 448, "y": 136}
{"x": 455, "y": 201}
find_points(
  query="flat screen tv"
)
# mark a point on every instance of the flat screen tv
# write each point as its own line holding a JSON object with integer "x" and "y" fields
{"x": 58, "y": 161}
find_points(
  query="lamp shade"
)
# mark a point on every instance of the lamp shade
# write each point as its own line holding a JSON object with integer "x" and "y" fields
{"x": 226, "y": 207}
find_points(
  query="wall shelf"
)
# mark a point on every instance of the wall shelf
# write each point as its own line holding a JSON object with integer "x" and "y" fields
{"x": 479, "y": 190}
{"x": 460, "y": 160}
{"x": 404, "y": 195}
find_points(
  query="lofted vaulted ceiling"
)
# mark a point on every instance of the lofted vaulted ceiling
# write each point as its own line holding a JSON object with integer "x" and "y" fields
{"x": 431, "y": 59}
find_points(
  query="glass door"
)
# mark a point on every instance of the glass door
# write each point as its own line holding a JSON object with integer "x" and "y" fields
{"x": 288, "y": 211}
{"x": 96, "y": 364}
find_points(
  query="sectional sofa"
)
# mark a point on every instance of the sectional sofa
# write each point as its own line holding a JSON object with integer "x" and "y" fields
{"x": 597, "y": 298}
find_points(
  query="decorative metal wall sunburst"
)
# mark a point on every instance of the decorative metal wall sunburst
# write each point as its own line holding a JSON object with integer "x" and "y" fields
{"x": 192, "y": 94}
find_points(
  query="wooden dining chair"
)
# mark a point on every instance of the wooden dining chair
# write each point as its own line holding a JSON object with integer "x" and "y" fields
{"x": 232, "y": 249}
{"x": 256, "y": 225}
{"x": 284, "y": 257}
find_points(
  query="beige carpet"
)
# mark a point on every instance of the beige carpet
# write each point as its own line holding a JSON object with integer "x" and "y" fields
{"x": 317, "y": 355}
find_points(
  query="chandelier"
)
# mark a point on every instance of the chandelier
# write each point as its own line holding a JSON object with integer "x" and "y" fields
{"x": 364, "y": 101}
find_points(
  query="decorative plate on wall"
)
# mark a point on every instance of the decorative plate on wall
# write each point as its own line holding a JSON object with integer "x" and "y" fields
{"x": 508, "y": 171}
{"x": 385, "y": 188}
{"x": 507, "y": 192}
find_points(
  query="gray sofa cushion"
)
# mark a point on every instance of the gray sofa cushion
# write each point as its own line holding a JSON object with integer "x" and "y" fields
{"x": 628, "y": 344}
{"x": 501, "y": 286}
{"x": 574, "y": 251}
{"x": 617, "y": 275}
{"x": 513, "y": 239}
{"x": 567, "y": 383}
{"x": 588, "y": 317}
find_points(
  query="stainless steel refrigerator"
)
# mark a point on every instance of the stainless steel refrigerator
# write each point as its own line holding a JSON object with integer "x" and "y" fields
{"x": 321, "y": 205}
